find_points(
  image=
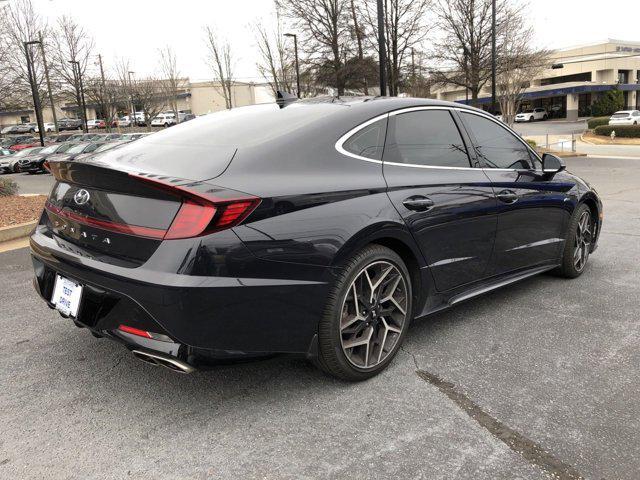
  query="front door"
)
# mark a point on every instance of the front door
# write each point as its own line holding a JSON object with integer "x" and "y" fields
{"x": 447, "y": 203}
{"x": 533, "y": 207}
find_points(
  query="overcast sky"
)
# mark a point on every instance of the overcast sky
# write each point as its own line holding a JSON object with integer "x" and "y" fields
{"x": 137, "y": 28}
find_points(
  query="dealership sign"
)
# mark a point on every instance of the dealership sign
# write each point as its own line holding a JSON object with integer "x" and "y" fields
{"x": 628, "y": 49}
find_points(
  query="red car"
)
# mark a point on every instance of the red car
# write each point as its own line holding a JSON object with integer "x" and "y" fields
{"x": 23, "y": 142}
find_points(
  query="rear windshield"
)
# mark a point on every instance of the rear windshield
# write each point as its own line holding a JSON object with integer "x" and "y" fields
{"x": 621, "y": 114}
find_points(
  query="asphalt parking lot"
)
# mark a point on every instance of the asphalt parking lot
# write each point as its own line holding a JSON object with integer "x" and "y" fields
{"x": 538, "y": 380}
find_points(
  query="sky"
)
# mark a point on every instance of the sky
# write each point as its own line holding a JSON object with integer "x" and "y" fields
{"x": 136, "y": 29}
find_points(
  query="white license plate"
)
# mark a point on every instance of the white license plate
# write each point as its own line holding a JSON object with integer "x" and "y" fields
{"x": 66, "y": 296}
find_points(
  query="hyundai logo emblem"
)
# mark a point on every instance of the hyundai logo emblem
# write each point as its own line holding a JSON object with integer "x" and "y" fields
{"x": 81, "y": 197}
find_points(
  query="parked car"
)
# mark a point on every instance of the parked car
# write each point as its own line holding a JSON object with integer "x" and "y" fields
{"x": 91, "y": 124}
{"x": 86, "y": 137}
{"x": 9, "y": 164}
{"x": 16, "y": 129}
{"x": 164, "y": 120}
{"x": 103, "y": 148}
{"x": 187, "y": 117}
{"x": 133, "y": 136}
{"x": 70, "y": 124}
{"x": 279, "y": 230}
{"x": 48, "y": 127}
{"x": 62, "y": 138}
{"x": 33, "y": 161}
{"x": 625, "y": 117}
{"x": 76, "y": 137}
{"x": 531, "y": 115}
{"x": 73, "y": 152}
{"x": 5, "y": 152}
{"x": 22, "y": 142}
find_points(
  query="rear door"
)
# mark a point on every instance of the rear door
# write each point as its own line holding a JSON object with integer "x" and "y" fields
{"x": 445, "y": 199}
{"x": 532, "y": 206}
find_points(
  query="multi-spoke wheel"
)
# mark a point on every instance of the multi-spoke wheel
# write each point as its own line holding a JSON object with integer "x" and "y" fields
{"x": 578, "y": 244}
{"x": 367, "y": 315}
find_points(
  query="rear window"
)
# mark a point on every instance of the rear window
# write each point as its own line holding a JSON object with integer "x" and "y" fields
{"x": 620, "y": 115}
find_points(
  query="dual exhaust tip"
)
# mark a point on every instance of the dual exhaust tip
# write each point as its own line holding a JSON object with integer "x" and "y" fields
{"x": 163, "y": 361}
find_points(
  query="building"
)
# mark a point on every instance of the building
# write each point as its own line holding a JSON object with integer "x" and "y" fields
{"x": 197, "y": 97}
{"x": 585, "y": 72}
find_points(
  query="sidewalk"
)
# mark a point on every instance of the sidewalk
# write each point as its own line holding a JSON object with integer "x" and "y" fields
{"x": 562, "y": 143}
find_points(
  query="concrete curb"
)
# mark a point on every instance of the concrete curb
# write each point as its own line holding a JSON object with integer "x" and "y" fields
{"x": 17, "y": 231}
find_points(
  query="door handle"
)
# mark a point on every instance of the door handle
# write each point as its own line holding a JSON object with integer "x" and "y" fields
{"x": 419, "y": 203}
{"x": 507, "y": 196}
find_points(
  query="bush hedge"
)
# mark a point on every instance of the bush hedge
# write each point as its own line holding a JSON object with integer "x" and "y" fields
{"x": 532, "y": 143}
{"x": 624, "y": 131}
{"x": 597, "y": 121}
{"x": 608, "y": 103}
{"x": 7, "y": 187}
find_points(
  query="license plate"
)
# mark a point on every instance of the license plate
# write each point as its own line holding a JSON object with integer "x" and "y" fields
{"x": 66, "y": 296}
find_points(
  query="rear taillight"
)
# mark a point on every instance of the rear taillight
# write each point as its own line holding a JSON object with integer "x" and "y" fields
{"x": 204, "y": 210}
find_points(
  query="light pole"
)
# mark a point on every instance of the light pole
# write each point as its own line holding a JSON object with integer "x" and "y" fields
{"x": 493, "y": 57}
{"x": 34, "y": 90}
{"x": 132, "y": 117}
{"x": 382, "y": 54}
{"x": 295, "y": 47}
{"x": 77, "y": 74}
{"x": 46, "y": 74}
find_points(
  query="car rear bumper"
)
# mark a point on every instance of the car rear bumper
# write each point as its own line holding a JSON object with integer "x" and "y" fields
{"x": 205, "y": 316}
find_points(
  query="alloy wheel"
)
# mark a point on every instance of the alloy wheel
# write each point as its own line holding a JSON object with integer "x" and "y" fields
{"x": 374, "y": 313}
{"x": 583, "y": 238}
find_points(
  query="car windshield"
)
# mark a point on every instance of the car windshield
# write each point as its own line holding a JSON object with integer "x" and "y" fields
{"x": 49, "y": 149}
{"x": 528, "y": 111}
{"x": 28, "y": 151}
{"x": 78, "y": 148}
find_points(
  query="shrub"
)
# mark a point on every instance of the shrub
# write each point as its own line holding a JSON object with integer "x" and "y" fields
{"x": 597, "y": 121}
{"x": 7, "y": 187}
{"x": 608, "y": 103}
{"x": 624, "y": 131}
{"x": 532, "y": 143}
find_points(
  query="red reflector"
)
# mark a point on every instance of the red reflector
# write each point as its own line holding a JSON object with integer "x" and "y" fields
{"x": 134, "y": 331}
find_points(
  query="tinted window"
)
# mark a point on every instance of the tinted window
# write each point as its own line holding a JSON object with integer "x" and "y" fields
{"x": 369, "y": 141}
{"x": 427, "y": 137}
{"x": 496, "y": 145}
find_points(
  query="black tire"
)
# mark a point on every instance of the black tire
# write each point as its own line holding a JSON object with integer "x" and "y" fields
{"x": 568, "y": 267}
{"x": 544, "y": 117}
{"x": 531, "y": 118}
{"x": 332, "y": 358}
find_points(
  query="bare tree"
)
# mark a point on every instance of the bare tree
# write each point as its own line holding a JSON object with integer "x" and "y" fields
{"x": 324, "y": 31}
{"x": 171, "y": 80}
{"x": 148, "y": 96}
{"x": 19, "y": 22}
{"x": 519, "y": 63}
{"x": 275, "y": 64}
{"x": 70, "y": 42}
{"x": 106, "y": 96}
{"x": 463, "y": 50}
{"x": 406, "y": 27}
{"x": 220, "y": 60}
{"x": 359, "y": 34}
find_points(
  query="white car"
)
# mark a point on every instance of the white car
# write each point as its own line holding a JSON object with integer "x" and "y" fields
{"x": 531, "y": 115}
{"x": 164, "y": 120}
{"x": 91, "y": 124}
{"x": 48, "y": 127}
{"x": 625, "y": 117}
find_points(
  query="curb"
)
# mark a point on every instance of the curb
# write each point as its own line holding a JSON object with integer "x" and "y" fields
{"x": 17, "y": 231}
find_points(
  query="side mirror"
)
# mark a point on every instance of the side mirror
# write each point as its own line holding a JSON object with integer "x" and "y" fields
{"x": 552, "y": 164}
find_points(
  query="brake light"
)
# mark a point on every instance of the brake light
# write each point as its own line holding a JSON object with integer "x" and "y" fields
{"x": 206, "y": 211}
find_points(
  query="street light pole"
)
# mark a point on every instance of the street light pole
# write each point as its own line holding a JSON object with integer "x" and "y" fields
{"x": 34, "y": 91}
{"x": 132, "y": 116}
{"x": 493, "y": 57}
{"x": 77, "y": 74}
{"x": 295, "y": 47}
{"x": 382, "y": 54}
{"x": 46, "y": 74}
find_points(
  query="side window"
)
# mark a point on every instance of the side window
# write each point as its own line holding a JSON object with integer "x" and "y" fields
{"x": 498, "y": 147}
{"x": 426, "y": 137}
{"x": 368, "y": 142}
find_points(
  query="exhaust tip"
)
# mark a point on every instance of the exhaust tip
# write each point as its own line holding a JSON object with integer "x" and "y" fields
{"x": 163, "y": 361}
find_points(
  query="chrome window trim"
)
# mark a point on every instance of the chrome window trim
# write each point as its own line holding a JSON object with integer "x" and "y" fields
{"x": 339, "y": 144}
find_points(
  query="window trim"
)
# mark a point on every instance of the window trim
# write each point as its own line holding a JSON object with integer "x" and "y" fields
{"x": 339, "y": 143}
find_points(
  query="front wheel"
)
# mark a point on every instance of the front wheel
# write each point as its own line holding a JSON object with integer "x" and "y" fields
{"x": 577, "y": 245}
{"x": 367, "y": 315}
{"x": 531, "y": 118}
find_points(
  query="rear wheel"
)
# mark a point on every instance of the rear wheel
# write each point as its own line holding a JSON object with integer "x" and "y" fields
{"x": 367, "y": 315}
{"x": 578, "y": 242}
{"x": 531, "y": 118}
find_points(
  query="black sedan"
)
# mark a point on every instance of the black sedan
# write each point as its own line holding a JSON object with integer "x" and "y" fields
{"x": 318, "y": 228}
{"x": 34, "y": 162}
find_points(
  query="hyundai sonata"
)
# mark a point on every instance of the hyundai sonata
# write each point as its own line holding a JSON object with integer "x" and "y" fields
{"x": 320, "y": 228}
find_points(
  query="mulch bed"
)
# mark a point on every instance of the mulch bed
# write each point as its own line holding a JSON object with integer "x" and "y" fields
{"x": 18, "y": 209}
